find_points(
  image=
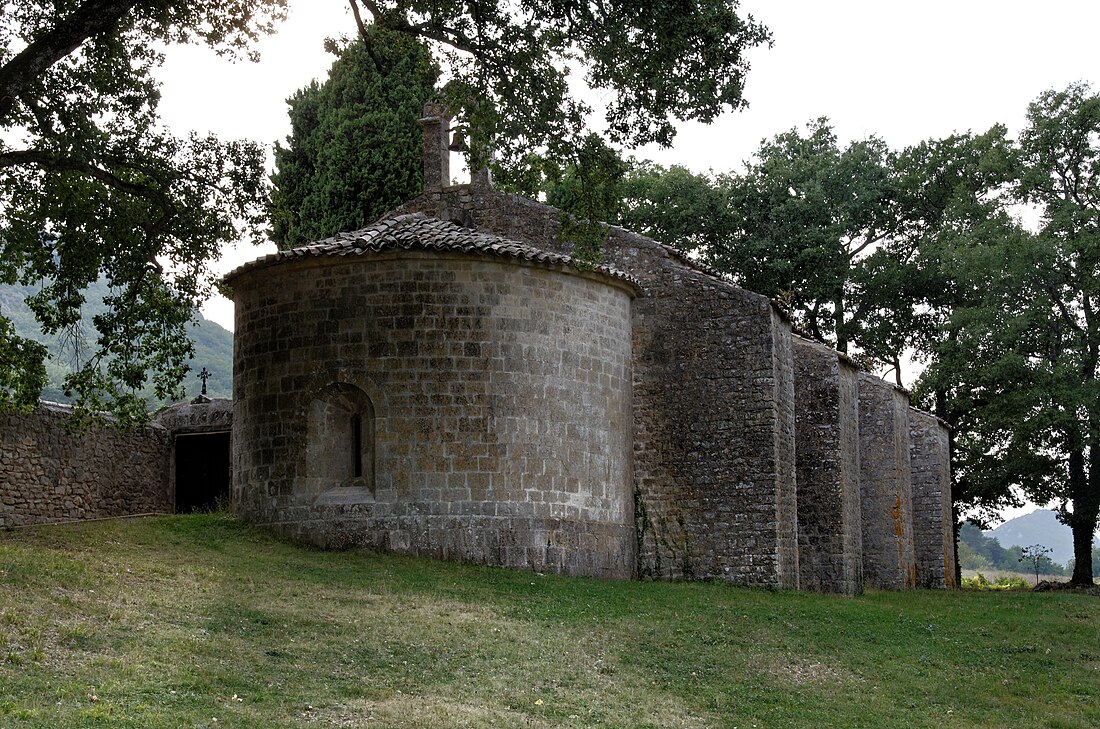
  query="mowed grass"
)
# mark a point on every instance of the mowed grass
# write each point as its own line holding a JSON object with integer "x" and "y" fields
{"x": 201, "y": 621}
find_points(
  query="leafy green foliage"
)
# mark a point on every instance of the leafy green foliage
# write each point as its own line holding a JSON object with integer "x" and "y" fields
{"x": 91, "y": 187}
{"x": 213, "y": 345}
{"x": 1018, "y": 363}
{"x": 354, "y": 151}
{"x": 587, "y": 192}
{"x": 508, "y": 67}
{"x": 802, "y": 224}
{"x": 1004, "y": 582}
{"x": 676, "y": 206}
{"x": 22, "y": 366}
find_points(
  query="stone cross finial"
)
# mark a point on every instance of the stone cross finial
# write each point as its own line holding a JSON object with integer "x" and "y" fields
{"x": 204, "y": 376}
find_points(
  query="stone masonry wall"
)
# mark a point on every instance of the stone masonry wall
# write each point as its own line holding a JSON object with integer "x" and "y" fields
{"x": 827, "y": 448}
{"x": 887, "y": 507}
{"x": 713, "y": 401}
{"x": 496, "y": 393}
{"x": 933, "y": 528}
{"x": 50, "y": 475}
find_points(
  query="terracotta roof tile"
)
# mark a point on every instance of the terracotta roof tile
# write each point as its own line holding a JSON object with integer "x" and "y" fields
{"x": 419, "y": 232}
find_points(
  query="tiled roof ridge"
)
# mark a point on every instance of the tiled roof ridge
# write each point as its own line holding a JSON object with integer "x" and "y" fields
{"x": 421, "y": 232}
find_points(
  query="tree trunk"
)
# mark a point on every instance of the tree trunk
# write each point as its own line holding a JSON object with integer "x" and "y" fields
{"x": 88, "y": 19}
{"x": 1086, "y": 505}
{"x": 1082, "y": 551}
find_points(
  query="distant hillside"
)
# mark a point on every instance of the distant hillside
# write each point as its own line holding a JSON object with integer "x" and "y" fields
{"x": 213, "y": 345}
{"x": 1039, "y": 527}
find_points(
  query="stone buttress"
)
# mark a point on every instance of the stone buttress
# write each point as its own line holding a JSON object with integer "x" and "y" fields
{"x": 830, "y": 527}
{"x": 887, "y": 505}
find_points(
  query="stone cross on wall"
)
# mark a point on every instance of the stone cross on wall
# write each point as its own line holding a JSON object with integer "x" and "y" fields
{"x": 202, "y": 398}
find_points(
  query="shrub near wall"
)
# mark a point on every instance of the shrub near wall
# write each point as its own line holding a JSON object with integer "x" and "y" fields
{"x": 48, "y": 474}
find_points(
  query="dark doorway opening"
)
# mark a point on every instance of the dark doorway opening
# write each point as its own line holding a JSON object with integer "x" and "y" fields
{"x": 202, "y": 471}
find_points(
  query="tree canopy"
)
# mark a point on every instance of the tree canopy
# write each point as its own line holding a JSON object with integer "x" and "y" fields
{"x": 806, "y": 212}
{"x": 91, "y": 186}
{"x": 508, "y": 68}
{"x": 355, "y": 148}
{"x": 1021, "y": 350}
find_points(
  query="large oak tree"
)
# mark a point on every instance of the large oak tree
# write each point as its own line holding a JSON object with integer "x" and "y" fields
{"x": 509, "y": 69}
{"x": 91, "y": 186}
{"x": 1021, "y": 351}
{"x": 806, "y": 213}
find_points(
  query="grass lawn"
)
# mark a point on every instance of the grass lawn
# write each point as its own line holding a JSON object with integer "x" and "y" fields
{"x": 201, "y": 621}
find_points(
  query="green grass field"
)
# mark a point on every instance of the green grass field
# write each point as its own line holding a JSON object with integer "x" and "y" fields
{"x": 200, "y": 621}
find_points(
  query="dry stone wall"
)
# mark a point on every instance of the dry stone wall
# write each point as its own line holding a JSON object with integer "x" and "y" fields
{"x": 492, "y": 399}
{"x": 933, "y": 519}
{"x": 48, "y": 474}
{"x": 887, "y": 506}
{"x": 713, "y": 401}
{"x": 827, "y": 448}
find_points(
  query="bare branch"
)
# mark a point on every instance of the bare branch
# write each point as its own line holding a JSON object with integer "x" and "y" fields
{"x": 872, "y": 237}
{"x": 365, "y": 37}
{"x": 359, "y": 21}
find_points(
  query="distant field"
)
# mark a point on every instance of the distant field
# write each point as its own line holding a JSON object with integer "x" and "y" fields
{"x": 200, "y": 621}
{"x": 992, "y": 574}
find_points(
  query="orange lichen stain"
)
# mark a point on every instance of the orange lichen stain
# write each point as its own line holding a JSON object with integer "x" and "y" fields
{"x": 949, "y": 568}
{"x": 909, "y": 569}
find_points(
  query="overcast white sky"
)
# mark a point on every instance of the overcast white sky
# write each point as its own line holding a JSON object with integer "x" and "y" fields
{"x": 902, "y": 71}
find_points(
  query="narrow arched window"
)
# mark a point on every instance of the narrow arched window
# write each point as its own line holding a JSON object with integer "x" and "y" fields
{"x": 357, "y": 446}
{"x": 339, "y": 449}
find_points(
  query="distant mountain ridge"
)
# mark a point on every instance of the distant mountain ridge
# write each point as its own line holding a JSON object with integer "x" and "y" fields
{"x": 1039, "y": 527}
{"x": 213, "y": 344}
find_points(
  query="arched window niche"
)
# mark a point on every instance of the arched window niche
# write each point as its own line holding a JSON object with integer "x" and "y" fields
{"x": 340, "y": 446}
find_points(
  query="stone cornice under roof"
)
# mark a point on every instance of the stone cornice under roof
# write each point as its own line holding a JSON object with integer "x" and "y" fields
{"x": 419, "y": 232}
